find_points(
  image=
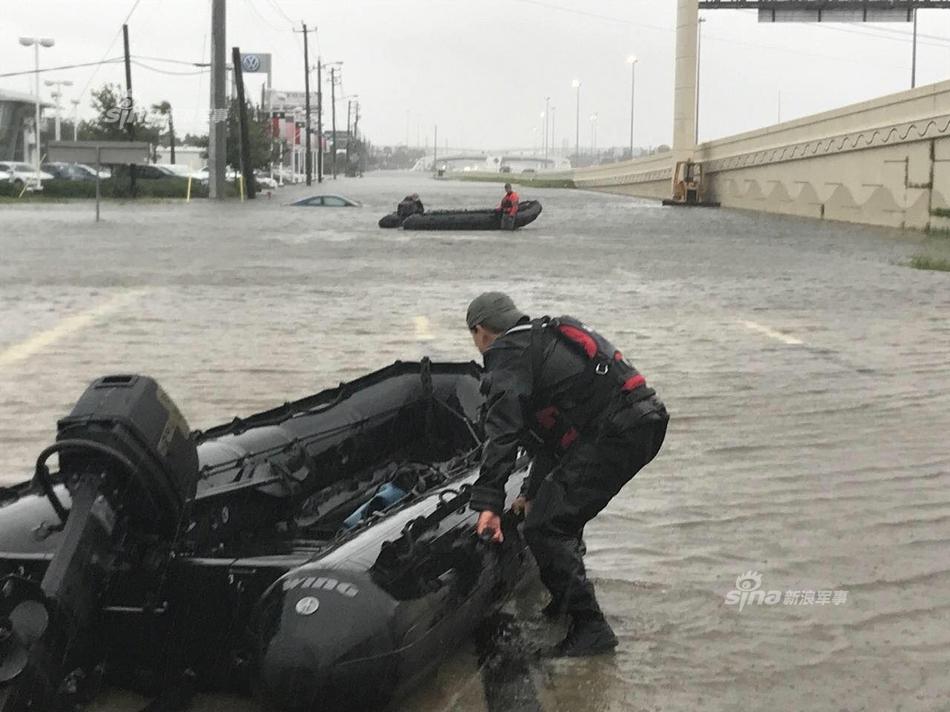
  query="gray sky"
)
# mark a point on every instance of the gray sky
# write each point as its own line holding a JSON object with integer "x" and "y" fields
{"x": 481, "y": 70}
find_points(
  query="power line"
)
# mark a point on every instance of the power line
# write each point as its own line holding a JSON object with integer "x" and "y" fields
{"x": 597, "y": 16}
{"x": 62, "y": 67}
{"x": 276, "y": 5}
{"x": 135, "y": 4}
{"x": 165, "y": 71}
{"x": 263, "y": 19}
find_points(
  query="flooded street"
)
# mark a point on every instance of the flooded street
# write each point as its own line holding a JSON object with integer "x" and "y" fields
{"x": 806, "y": 370}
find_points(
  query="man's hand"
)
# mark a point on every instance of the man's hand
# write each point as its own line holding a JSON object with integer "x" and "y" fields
{"x": 521, "y": 505}
{"x": 489, "y": 523}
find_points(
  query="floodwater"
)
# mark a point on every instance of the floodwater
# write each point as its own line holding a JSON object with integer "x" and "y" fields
{"x": 806, "y": 368}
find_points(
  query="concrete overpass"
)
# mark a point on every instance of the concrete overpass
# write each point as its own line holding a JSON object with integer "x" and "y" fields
{"x": 880, "y": 162}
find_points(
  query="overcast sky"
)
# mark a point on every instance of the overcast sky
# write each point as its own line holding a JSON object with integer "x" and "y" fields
{"x": 481, "y": 69}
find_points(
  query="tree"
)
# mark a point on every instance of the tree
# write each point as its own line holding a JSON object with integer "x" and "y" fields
{"x": 165, "y": 109}
{"x": 263, "y": 147}
{"x": 115, "y": 112}
{"x": 198, "y": 140}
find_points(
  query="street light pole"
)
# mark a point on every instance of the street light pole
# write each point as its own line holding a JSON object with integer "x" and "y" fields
{"x": 593, "y": 135}
{"x": 35, "y": 42}
{"x": 577, "y": 121}
{"x": 699, "y": 64}
{"x": 547, "y": 135}
{"x": 913, "y": 61}
{"x": 632, "y": 61}
{"x": 75, "y": 103}
{"x": 57, "y": 95}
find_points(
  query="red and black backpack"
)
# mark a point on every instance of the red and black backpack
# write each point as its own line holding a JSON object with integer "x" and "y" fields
{"x": 607, "y": 377}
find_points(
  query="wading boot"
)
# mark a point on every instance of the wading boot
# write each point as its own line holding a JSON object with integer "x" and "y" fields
{"x": 586, "y": 636}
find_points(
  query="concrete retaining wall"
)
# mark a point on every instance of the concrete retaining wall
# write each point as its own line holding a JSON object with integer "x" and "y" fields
{"x": 880, "y": 162}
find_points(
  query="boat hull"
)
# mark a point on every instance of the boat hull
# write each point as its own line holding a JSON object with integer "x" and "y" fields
{"x": 263, "y": 590}
{"x": 528, "y": 212}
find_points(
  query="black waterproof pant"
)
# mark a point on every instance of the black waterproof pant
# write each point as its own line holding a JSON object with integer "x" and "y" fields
{"x": 589, "y": 475}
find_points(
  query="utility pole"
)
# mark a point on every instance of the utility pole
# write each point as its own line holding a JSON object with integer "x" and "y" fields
{"x": 333, "y": 71}
{"x": 319, "y": 120}
{"x": 218, "y": 114}
{"x": 306, "y": 89}
{"x": 349, "y": 110}
{"x": 130, "y": 121}
{"x": 356, "y": 134}
{"x": 247, "y": 170}
{"x": 577, "y": 122}
{"x": 171, "y": 133}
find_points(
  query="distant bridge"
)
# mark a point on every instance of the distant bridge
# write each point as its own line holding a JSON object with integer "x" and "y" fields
{"x": 879, "y": 162}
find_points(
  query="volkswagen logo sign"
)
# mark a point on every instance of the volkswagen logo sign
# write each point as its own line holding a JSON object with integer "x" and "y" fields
{"x": 250, "y": 62}
{"x": 308, "y": 605}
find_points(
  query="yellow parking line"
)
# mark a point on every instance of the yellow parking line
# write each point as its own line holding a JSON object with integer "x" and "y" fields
{"x": 70, "y": 325}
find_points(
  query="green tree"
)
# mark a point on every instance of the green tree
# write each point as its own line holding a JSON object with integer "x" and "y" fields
{"x": 263, "y": 147}
{"x": 115, "y": 114}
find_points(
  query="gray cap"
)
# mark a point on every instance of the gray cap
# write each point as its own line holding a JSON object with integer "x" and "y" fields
{"x": 495, "y": 310}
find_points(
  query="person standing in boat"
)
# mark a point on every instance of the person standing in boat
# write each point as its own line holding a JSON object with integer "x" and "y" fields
{"x": 508, "y": 208}
{"x": 410, "y": 205}
{"x": 564, "y": 393}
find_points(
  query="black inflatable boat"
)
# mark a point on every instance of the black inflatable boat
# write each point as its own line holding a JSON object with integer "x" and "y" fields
{"x": 528, "y": 212}
{"x": 319, "y": 555}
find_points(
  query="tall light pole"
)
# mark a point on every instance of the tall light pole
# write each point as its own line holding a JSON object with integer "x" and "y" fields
{"x": 35, "y": 42}
{"x": 75, "y": 103}
{"x": 547, "y": 134}
{"x": 553, "y": 141}
{"x": 57, "y": 95}
{"x": 699, "y": 61}
{"x": 577, "y": 121}
{"x": 632, "y": 61}
{"x": 593, "y": 135}
{"x": 544, "y": 134}
{"x": 913, "y": 61}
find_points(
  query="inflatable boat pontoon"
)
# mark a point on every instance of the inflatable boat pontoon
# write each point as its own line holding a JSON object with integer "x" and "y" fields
{"x": 320, "y": 554}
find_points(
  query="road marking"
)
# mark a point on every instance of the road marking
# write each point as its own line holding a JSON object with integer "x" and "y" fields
{"x": 423, "y": 331}
{"x": 70, "y": 325}
{"x": 771, "y": 333}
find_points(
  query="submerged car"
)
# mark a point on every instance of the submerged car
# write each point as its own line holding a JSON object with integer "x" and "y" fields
{"x": 326, "y": 201}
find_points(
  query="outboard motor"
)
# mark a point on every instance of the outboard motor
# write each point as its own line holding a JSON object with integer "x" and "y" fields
{"x": 127, "y": 471}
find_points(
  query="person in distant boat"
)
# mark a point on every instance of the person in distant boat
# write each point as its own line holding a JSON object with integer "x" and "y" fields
{"x": 587, "y": 417}
{"x": 508, "y": 208}
{"x": 410, "y": 205}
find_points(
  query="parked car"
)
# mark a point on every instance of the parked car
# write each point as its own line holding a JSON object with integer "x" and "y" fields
{"x": 68, "y": 171}
{"x": 265, "y": 181}
{"x": 180, "y": 171}
{"x": 326, "y": 201}
{"x": 103, "y": 171}
{"x": 21, "y": 174}
{"x": 204, "y": 176}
